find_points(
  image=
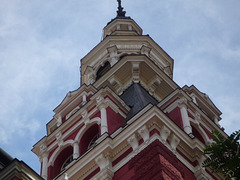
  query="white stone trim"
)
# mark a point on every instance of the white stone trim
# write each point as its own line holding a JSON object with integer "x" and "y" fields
{"x": 133, "y": 142}
{"x": 58, "y": 150}
{"x": 164, "y": 132}
{"x": 144, "y": 133}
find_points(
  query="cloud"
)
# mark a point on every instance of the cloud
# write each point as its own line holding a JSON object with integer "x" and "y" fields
{"x": 29, "y": 67}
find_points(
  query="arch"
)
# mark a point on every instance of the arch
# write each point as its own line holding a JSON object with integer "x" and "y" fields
{"x": 88, "y": 138}
{"x": 58, "y": 151}
{"x": 102, "y": 70}
{"x": 60, "y": 159}
{"x": 89, "y": 123}
{"x": 199, "y": 132}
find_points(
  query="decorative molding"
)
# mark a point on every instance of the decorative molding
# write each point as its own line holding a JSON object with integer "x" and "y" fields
{"x": 59, "y": 120}
{"x": 168, "y": 71}
{"x": 91, "y": 76}
{"x": 165, "y": 132}
{"x": 129, "y": 47}
{"x": 72, "y": 112}
{"x": 65, "y": 176}
{"x": 135, "y": 72}
{"x": 100, "y": 100}
{"x": 144, "y": 132}
{"x": 84, "y": 114}
{"x": 43, "y": 149}
{"x": 155, "y": 82}
{"x": 112, "y": 54}
{"x": 59, "y": 139}
{"x": 197, "y": 117}
{"x": 194, "y": 98}
{"x": 114, "y": 81}
{"x": 182, "y": 102}
{"x": 174, "y": 141}
{"x": 133, "y": 142}
{"x": 105, "y": 165}
{"x": 200, "y": 174}
{"x": 103, "y": 162}
{"x": 145, "y": 50}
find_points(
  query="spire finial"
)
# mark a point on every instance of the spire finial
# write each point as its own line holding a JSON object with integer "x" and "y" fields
{"x": 120, "y": 12}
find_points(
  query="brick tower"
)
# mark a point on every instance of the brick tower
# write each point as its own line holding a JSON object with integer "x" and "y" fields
{"x": 128, "y": 119}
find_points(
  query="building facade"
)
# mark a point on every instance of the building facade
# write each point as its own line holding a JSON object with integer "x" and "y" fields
{"x": 128, "y": 119}
{"x": 13, "y": 169}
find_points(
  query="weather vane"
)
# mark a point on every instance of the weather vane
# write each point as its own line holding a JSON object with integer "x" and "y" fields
{"x": 120, "y": 12}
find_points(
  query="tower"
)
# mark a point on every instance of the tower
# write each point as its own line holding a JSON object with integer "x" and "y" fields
{"x": 128, "y": 119}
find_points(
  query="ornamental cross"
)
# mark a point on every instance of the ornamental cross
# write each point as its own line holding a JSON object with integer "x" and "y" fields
{"x": 120, "y": 12}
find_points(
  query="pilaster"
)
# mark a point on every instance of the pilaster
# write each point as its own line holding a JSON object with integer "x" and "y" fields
{"x": 44, "y": 160}
{"x": 75, "y": 150}
{"x": 102, "y": 107}
{"x": 184, "y": 114}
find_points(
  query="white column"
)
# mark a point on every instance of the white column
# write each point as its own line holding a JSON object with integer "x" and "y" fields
{"x": 186, "y": 123}
{"x": 44, "y": 166}
{"x": 84, "y": 99}
{"x": 75, "y": 150}
{"x": 102, "y": 107}
{"x": 104, "y": 126}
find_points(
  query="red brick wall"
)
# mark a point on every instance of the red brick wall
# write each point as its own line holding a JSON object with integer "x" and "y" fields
{"x": 155, "y": 162}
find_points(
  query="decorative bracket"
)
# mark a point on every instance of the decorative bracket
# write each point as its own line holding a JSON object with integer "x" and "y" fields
{"x": 144, "y": 132}
{"x": 165, "y": 132}
{"x": 133, "y": 142}
{"x": 174, "y": 142}
{"x": 113, "y": 54}
{"x": 135, "y": 72}
{"x": 145, "y": 50}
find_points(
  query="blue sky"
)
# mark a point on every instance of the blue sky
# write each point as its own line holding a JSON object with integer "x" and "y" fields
{"x": 41, "y": 43}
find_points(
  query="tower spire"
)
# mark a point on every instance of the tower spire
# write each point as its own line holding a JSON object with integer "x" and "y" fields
{"x": 120, "y": 12}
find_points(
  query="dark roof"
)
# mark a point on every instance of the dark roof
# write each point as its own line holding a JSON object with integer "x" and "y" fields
{"x": 136, "y": 97}
{"x": 5, "y": 158}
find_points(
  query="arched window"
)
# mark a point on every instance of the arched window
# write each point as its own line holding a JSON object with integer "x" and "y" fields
{"x": 89, "y": 138}
{"x": 63, "y": 159}
{"x": 93, "y": 141}
{"x": 67, "y": 162}
{"x": 102, "y": 70}
{"x": 197, "y": 134}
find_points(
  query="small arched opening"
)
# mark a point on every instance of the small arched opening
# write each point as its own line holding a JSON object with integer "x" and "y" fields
{"x": 89, "y": 138}
{"x": 197, "y": 134}
{"x": 64, "y": 158}
{"x": 103, "y": 69}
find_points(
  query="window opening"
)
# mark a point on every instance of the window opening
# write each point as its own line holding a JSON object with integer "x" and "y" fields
{"x": 102, "y": 70}
{"x": 93, "y": 141}
{"x": 67, "y": 162}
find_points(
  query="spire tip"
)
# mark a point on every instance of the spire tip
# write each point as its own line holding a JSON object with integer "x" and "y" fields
{"x": 120, "y": 12}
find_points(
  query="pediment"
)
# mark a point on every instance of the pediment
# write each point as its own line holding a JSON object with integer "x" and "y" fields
{"x": 75, "y": 95}
{"x": 203, "y": 98}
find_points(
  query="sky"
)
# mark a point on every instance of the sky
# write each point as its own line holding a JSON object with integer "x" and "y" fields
{"x": 42, "y": 42}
